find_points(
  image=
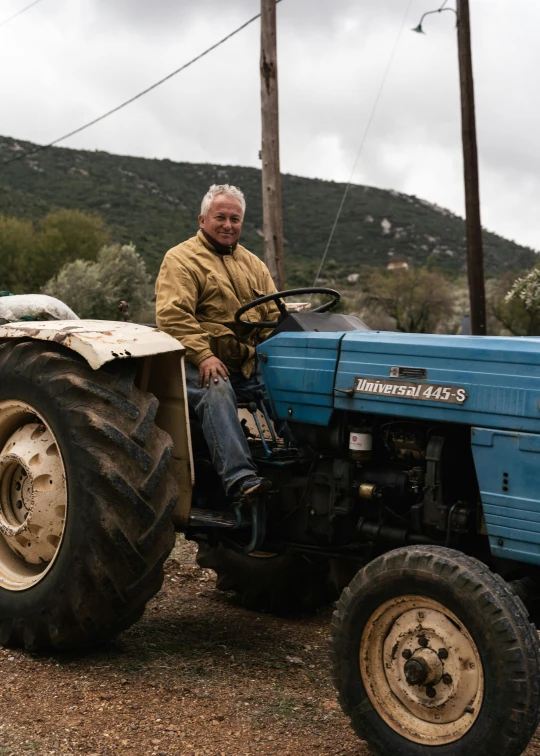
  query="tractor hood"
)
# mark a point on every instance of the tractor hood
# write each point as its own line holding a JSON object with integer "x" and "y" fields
{"x": 476, "y": 380}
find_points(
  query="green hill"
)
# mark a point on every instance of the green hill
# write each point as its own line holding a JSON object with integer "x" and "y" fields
{"x": 155, "y": 203}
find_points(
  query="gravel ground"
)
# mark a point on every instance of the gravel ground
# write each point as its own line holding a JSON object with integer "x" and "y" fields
{"x": 196, "y": 676}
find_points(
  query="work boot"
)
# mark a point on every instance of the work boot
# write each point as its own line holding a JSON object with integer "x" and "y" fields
{"x": 250, "y": 487}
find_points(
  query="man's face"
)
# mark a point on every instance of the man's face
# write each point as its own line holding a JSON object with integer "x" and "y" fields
{"x": 224, "y": 218}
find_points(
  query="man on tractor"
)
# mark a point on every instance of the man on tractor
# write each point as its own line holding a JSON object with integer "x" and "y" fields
{"x": 201, "y": 284}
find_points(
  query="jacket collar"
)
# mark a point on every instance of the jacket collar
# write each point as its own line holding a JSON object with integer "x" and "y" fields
{"x": 213, "y": 245}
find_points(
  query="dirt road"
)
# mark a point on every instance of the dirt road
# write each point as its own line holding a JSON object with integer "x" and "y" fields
{"x": 196, "y": 676}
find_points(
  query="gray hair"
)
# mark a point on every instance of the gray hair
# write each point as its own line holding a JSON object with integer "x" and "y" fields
{"x": 216, "y": 189}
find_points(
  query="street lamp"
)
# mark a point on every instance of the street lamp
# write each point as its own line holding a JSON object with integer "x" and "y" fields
{"x": 419, "y": 28}
{"x": 475, "y": 255}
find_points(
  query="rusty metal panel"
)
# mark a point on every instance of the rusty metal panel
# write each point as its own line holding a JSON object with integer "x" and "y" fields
{"x": 98, "y": 341}
{"x": 167, "y": 381}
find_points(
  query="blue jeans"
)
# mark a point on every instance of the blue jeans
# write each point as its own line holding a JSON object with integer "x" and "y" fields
{"x": 217, "y": 410}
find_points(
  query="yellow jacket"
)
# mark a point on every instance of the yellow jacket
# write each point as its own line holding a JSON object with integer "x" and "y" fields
{"x": 198, "y": 292}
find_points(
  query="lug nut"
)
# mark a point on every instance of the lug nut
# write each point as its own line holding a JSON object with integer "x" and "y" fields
{"x": 442, "y": 653}
{"x": 406, "y": 654}
{"x": 422, "y": 641}
{"x": 447, "y": 679}
{"x": 430, "y": 692}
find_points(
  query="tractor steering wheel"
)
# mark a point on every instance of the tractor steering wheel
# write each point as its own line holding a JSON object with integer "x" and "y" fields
{"x": 276, "y": 297}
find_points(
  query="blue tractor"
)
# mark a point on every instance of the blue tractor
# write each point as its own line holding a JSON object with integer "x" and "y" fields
{"x": 416, "y": 492}
{"x": 410, "y": 490}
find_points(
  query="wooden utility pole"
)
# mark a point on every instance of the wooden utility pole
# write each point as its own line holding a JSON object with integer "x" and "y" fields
{"x": 475, "y": 255}
{"x": 271, "y": 176}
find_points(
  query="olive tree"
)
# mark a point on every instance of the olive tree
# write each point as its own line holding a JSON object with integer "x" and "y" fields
{"x": 418, "y": 301}
{"x": 30, "y": 254}
{"x": 17, "y": 240}
{"x": 94, "y": 289}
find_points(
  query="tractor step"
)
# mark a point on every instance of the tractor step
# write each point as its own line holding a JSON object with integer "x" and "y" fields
{"x": 212, "y": 518}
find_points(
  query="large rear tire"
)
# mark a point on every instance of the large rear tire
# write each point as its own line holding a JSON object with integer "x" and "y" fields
{"x": 85, "y": 498}
{"x": 275, "y": 583}
{"x": 433, "y": 652}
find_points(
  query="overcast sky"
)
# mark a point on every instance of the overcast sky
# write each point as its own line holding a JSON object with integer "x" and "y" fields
{"x": 65, "y": 62}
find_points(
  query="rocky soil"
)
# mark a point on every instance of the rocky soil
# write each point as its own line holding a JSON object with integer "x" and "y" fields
{"x": 197, "y": 676}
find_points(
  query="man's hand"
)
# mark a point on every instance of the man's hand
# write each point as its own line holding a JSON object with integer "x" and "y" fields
{"x": 212, "y": 367}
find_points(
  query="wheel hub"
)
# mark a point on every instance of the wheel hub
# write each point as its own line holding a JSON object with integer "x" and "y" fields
{"x": 422, "y": 670}
{"x": 16, "y": 495}
{"x": 33, "y": 497}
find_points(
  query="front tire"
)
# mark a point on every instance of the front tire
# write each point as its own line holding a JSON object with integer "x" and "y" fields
{"x": 431, "y": 651}
{"x": 85, "y": 498}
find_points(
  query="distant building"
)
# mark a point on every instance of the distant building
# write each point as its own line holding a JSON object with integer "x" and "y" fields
{"x": 386, "y": 226}
{"x": 398, "y": 265}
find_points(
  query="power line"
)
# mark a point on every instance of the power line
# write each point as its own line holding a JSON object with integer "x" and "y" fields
{"x": 363, "y": 141}
{"x": 20, "y": 156}
{"x": 15, "y": 15}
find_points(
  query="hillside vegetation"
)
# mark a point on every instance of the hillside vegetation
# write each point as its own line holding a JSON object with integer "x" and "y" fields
{"x": 154, "y": 204}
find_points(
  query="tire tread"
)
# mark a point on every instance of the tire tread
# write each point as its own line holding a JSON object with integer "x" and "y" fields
{"x": 508, "y": 620}
{"x": 121, "y": 459}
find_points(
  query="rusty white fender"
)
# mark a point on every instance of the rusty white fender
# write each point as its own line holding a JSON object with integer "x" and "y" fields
{"x": 98, "y": 341}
